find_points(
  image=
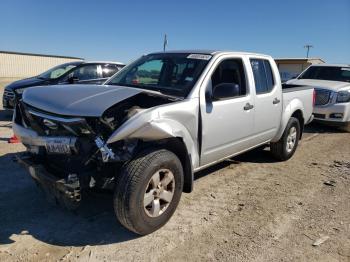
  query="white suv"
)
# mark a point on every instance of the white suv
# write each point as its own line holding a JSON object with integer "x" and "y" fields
{"x": 332, "y": 86}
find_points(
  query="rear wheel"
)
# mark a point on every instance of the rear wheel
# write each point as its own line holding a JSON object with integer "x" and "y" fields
{"x": 288, "y": 143}
{"x": 148, "y": 191}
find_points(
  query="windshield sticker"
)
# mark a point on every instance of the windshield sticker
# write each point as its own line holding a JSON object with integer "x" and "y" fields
{"x": 346, "y": 68}
{"x": 199, "y": 56}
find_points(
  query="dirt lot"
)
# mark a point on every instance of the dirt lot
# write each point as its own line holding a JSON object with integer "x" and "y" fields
{"x": 248, "y": 209}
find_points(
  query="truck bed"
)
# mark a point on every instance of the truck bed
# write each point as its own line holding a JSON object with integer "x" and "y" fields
{"x": 293, "y": 88}
{"x": 297, "y": 94}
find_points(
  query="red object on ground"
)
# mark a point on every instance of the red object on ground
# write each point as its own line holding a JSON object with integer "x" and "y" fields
{"x": 14, "y": 140}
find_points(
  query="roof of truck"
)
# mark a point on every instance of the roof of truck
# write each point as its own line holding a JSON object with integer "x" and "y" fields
{"x": 335, "y": 65}
{"x": 207, "y": 52}
{"x": 103, "y": 62}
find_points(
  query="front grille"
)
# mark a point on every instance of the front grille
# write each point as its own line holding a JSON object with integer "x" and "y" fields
{"x": 9, "y": 94}
{"x": 322, "y": 97}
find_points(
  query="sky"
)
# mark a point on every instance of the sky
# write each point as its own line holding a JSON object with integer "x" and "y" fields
{"x": 124, "y": 30}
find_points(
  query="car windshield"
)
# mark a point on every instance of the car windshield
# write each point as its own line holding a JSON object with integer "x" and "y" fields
{"x": 169, "y": 73}
{"x": 57, "y": 71}
{"x": 331, "y": 73}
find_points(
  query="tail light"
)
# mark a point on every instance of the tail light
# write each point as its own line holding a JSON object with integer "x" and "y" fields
{"x": 314, "y": 98}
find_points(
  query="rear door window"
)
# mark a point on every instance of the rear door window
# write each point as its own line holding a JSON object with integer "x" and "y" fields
{"x": 263, "y": 76}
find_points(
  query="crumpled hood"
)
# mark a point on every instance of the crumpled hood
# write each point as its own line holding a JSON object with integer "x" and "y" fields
{"x": 77, "y": 100}
{"x": 33, "y": 81}
{"x": 331, "y": 85}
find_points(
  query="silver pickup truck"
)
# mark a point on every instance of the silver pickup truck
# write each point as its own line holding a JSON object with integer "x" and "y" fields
{"x": 153, "y": 125}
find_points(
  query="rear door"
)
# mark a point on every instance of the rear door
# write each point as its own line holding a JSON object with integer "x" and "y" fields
{"x": 268, "y": 100}
{"x": 227, "y": 124}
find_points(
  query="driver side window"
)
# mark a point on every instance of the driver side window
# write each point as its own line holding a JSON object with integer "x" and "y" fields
{"x": 229, "y": 76}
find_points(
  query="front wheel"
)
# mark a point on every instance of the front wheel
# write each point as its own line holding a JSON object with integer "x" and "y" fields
{"x": 148, "y": 191}
{"x": 288, "y": 143}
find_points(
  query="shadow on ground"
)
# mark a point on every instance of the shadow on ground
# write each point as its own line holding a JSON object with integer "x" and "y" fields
{"x": 25, "y": 210}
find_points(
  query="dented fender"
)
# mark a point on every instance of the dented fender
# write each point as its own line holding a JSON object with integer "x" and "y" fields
{"x": 176, "y": 120}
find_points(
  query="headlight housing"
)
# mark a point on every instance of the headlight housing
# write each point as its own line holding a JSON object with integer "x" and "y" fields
{"x": 20, "y": 90}
{"x": 343, "y": 96}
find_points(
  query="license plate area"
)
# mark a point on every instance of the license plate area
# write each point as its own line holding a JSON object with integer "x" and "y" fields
{"x": 58, "y": 146}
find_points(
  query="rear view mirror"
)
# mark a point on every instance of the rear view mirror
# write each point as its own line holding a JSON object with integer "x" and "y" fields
{"x": 225, "y": 90}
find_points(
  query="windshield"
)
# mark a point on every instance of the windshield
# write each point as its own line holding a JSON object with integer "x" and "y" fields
{"x": 169, "y": 73}
{"x": 331, "y": 73}
{"x": 57, "y": 71}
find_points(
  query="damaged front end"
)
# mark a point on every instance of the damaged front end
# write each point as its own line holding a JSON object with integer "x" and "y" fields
{"x": 68, "y": 155}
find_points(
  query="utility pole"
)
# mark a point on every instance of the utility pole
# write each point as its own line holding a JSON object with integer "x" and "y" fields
{"x": 165, "y": 42}
{"x": 308, "y": 49}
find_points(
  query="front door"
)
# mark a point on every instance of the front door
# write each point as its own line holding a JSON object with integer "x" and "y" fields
{"x": 228, "y": 122}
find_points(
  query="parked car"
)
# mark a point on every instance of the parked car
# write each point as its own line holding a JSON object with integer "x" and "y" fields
{"x": 332, "y": 86}
{"x": 155, "y": 123}
{"x": 69, "y": 73}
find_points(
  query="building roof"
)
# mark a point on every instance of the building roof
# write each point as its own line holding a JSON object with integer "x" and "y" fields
{"x": 44, "y": 55}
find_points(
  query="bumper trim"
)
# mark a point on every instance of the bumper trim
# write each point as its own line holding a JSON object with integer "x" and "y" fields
{"x": 331, "y": 123}
{"x": 30, "y": 137}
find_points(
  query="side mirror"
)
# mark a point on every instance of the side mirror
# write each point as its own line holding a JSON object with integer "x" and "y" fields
{"x": 73, "y": 79}
{"x": 225, "y": 90}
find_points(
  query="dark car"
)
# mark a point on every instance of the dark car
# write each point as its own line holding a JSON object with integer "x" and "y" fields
{"x": 69, "y": 73}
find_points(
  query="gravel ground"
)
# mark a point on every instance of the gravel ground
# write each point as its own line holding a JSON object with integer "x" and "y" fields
{"x": 250, "y": 208}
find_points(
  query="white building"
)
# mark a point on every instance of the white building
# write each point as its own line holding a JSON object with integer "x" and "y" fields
{"x": 292, "y": 67}
{"x": 21, "y": 65}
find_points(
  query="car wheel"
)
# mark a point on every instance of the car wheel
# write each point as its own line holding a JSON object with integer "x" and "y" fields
{"x": 148, "y": 191}
{"x": 288, "y": 143}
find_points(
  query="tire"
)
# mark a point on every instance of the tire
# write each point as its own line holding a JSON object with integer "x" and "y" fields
{"x": 136, "y": 185}
{"x": 279, "y": 149}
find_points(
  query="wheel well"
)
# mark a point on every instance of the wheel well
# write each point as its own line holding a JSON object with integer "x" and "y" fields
{"x": 298, "y": 114}
{"x": 178, "y": 147}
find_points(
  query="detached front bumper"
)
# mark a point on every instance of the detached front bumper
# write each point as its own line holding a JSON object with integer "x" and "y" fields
{"x": 65, "y": 191}
{"x": 333, "y": 114}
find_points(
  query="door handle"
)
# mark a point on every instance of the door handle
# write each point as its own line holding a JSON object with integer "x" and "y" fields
{"x": 276, "y": 101}
{"x": 248, "y": 106}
